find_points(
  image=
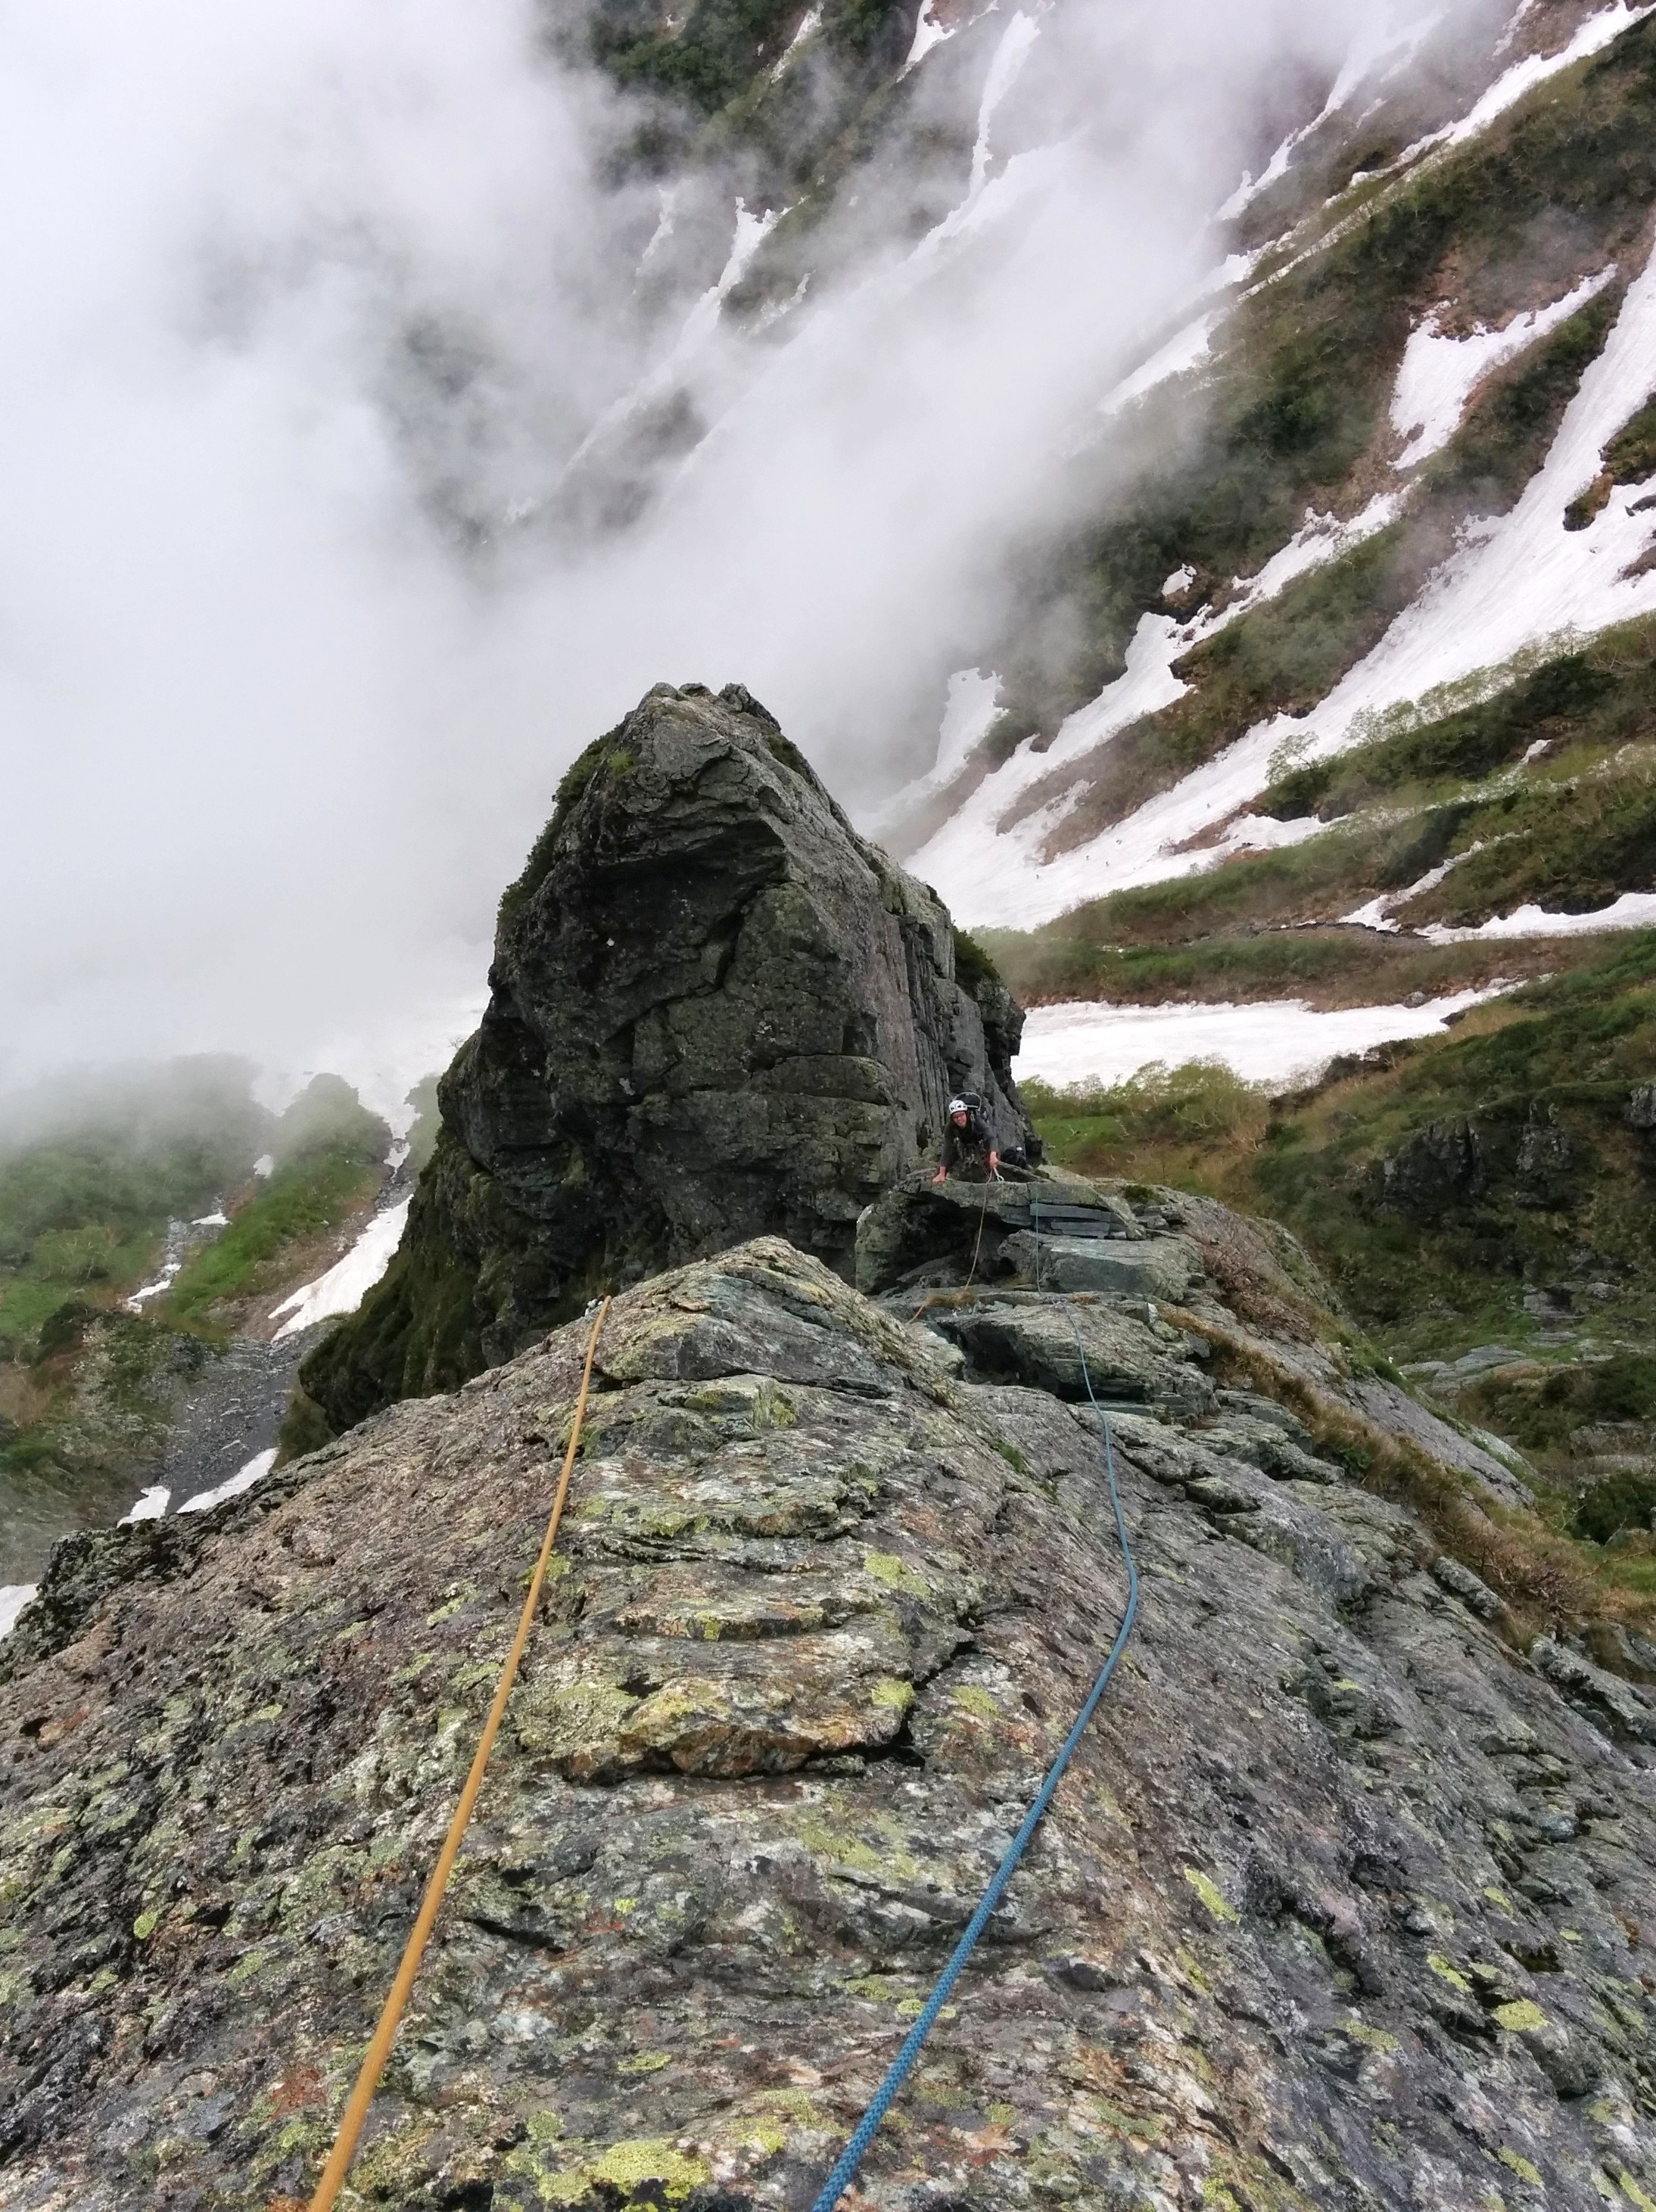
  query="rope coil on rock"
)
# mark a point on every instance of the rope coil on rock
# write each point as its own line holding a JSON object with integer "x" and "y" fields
{"x": 850, "y": 2159}
{"x": 379, "y": 2049}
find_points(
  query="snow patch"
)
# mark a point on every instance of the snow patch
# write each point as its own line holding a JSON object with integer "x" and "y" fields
{"x": 1276, "y": 1042}
{"x": 1180, "y": 580}
{"x": 1590, "y": 38}
{"x": 264, "y": 1166}
{"x": 1518, "y": 579}
{"x": 808, "y": 26}
{"x": 1186, "y": 349}
{"x": 996, "y": 877}
{"x": 928, "y": 33}
{"x": 13, "y": 1597}
{"x": 1013, "y": 51}
{"x": 151, "y": 1506}
{"x": 1376, "y": 913}
{"x": 1438, "y": 372}
{"x": 1633, "y": 910}
{"x": 346, "y": 1284}
{"x": 219, "y": 1220}
{"x": 244, "y": 1479}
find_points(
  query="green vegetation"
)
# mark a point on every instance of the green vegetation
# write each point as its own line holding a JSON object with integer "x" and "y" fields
{"x": 329, "y": 1152}
{"x": 715, "y": 57}
{"x": 1159, "y": 1126}
{"x": 1296, "y": 407}
{"x": 1596, "y": 699}
{"x": 1629, "y": 458}
{"x": 1512, "y": 1166}
{"x": 1327, "y": 968}
{"x": 89, "y": 1181}
{"x": 1444, "y": 1187}
{"x": 1505, "y": 437}
{"x": 707, "y": 61}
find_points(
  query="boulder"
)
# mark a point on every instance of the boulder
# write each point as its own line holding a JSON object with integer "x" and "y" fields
{"x": 1153, "y": 1267}
{"x": 716, "y": 1012}
{"x": 951, "y": 1229}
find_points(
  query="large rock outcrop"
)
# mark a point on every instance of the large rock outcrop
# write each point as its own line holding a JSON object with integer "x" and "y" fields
{"x": 1345, "y": 1903}
{"x": 717, "y": 1012}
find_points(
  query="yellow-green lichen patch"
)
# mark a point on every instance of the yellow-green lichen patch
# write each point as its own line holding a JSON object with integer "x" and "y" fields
{"x": 897, "y": 1696}
{"x": 896, "y": 1573}
{"x": 977, "y": 1702}
{"x": 1520, "y": 2166}
{"x": 1637, "y": 2197}
{"x": 628, "y": 2167}
{"x": 1521, "y": 2015}
{"x": 1377, "y": 2039}
{"x": 147, "y": 1923}
{"x": 1213, "y": 1897}
{"x": 643, "y": 2062}
{"x": 1446, "y": 1971}
{"x": 1499, "y": 1898}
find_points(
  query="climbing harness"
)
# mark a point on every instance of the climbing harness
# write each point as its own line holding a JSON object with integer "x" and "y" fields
{"x": 379, "y": 2050}
{"x": 850, "y": 2159}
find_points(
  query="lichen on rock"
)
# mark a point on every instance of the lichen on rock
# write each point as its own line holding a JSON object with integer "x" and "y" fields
{"x": 1342, "y": 1904}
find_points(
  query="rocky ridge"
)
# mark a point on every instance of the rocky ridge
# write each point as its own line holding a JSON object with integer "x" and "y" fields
{"x": 1344, "y": 1904}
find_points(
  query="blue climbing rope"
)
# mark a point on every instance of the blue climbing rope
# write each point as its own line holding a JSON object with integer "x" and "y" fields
{"x": 902, "y": 2066}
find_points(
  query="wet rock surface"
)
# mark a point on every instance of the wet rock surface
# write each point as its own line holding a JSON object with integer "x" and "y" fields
{"x": 717, "y": 1012}
{"x": 1344, "y": 1902}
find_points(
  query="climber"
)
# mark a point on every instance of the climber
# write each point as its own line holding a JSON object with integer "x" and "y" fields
{"x": 968, "y": 1146}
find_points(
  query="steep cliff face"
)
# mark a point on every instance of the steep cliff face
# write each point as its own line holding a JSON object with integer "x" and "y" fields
{"x": 1345, "y": 1903}
{"x": 717, "y": 1012}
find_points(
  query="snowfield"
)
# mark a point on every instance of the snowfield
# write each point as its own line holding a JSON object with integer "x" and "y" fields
{"x": 1520, "y": 580}
{"x": 349, "y": 1282}
{"x": 1279, "y": 1043}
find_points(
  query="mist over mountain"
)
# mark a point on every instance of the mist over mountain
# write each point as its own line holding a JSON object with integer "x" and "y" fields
{"x": 380, "y": 420}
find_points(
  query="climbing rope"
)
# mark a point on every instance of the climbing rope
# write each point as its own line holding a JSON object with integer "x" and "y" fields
{"x": 850, "y": 2159}
{"x": 379, "y": 2050}
{"x": 982, "y": 1215}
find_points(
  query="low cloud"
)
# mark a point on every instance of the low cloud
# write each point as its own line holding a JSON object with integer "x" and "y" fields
{"x": 320, "y": 315}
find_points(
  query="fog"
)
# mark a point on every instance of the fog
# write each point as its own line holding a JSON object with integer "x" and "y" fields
{"x": 326, "y": 325}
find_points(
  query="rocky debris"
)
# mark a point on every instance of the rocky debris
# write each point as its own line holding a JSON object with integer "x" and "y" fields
{"x": 919, "y": 1242}
{"x": 1609, "y": 1703}
{"x": 127, "y": 1379}
{"x": 1640, "y": 1112}
{"x": 717, "y": 1012}
{"x": 1342, "y": 1904}
{"x": 1471, "y": 1590}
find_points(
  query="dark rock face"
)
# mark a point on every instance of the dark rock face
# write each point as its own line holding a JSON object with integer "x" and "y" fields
{"x": 1343, "y": 1904}
{"x": 717, "y": 1012}
{"x": 1441, "y": 1164}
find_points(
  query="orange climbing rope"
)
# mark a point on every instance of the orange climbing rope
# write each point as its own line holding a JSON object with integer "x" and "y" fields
{"x": 379, "y": 2050}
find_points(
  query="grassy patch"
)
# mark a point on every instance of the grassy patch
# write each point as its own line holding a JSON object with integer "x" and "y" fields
{"x": 91, "y": 1177}
{"x": 1161, "y": 1124}
{"x": 1297, "y": 405}
{"x": 329, "y": 1157}
{"x": 1325, "y": 967}
{"x": 1600, "y": 697}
